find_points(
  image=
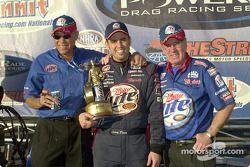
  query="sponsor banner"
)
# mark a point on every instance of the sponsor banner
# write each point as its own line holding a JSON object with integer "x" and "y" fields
{"x": 190, "y": 12}
{"x": 29, "y": 15}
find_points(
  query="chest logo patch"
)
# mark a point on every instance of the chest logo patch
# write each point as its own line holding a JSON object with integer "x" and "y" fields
{"x": 178, "y": 109}
{"x": 124, "y": 98}
{"x": 50, "y": 68}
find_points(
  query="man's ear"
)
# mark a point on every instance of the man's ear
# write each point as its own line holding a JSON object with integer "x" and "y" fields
{"x": 106, "y": 44}
{"x": 75, "y": 34}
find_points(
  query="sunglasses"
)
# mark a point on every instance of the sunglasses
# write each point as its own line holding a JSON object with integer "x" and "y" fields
{"x": 57, "y": 36}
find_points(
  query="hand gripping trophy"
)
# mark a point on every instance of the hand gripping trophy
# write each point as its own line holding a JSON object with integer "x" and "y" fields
{"x": 94, "y": 94}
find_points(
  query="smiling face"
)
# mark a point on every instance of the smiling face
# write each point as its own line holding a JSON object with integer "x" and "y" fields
{"x": 118, "y": 45}
{"x": 65, "y": 43}
{"x": 175, "y": 51}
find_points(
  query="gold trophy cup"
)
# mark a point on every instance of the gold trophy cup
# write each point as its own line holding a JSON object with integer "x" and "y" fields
{"x": 94, "y": 94}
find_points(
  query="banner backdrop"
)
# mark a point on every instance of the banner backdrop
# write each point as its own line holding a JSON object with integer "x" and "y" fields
{"x": 216, "y": 30}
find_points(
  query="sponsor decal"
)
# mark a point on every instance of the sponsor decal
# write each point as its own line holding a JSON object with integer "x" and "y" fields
{"x": 163, "y": 75}
{"x": 136, "y": 75}
{"x": 29, "y": 15}
{"x": 106, "y": 83}
{"x": 105, "y": 72}
{"x": 212, "y": 71}
{"x": 13, "y": 63}
{"x": 152, "y": 14}
{"x": 134, "y": 80}
{"x": 108, "y": 76}
{"x": 158, "y": 89}
{"x": 225, "y": 96}
{"x": 192, "y": 81}
{"x": 136, "y": 67}
{"x": 124, "y": 98}
{"x": 178, "y": 109}
{"x": 193, "y": 74}
{"x": 159, "y": 99}
{"x": 197, "y": 62}
{"x": 50, "y": 68}
{"x": 221, "y": 90}
{"x": 134, "y": 71}
{"x": 218, "y": 80}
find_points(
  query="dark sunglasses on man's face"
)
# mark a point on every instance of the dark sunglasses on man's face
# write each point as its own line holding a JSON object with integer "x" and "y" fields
{"x": 57, "y": 36}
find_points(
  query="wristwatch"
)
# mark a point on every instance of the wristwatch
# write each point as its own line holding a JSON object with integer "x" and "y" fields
{"x": 209, "y": 135}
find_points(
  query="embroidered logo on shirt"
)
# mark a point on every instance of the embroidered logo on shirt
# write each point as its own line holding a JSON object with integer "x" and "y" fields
{"x": 193, "y": 74}
{"x": 218, "y": 80}
{"x": 50, "y": 68}
{"x": 212, "y": 71}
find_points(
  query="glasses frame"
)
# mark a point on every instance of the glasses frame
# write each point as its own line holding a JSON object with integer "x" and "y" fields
{"x": 64, "y": 36}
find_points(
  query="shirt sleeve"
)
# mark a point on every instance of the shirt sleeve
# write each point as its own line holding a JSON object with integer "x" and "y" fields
{"x": 33, "y": 84}
{"x": 219, "y": 93}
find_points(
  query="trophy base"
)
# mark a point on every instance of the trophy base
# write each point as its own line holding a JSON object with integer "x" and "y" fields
{"x": 99, "y": 109}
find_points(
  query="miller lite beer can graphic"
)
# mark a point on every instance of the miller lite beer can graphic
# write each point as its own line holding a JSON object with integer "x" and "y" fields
{"x": 99, "y": 94}
{"x": 56, "y": 95}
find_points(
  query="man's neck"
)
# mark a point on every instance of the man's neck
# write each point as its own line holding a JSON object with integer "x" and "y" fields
{"x": 67, "y": 57}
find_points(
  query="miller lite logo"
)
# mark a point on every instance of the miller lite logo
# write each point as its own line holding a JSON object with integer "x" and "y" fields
{"x": 178, "y": 109}
{"x": 124, "y": 98}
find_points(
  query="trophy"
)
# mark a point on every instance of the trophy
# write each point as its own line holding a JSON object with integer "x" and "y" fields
{"x": 94, "y": 94}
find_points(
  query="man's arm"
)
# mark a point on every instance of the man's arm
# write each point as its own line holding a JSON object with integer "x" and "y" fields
{"x": 154, "y": 106}
{"x": 44, "y": 100}
{"x": 219, "y": 120}
{"x": 34, "y": 102}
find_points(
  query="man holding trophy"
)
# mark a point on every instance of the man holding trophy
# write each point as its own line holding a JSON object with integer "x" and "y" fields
{"x": 122, "y": 105}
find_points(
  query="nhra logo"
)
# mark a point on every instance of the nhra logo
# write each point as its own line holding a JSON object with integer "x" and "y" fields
{"x": 90, "y": 37}
{"x": 190, "y": 13}
{"x": 124, "y": 98}
{"x": 178, "y": 109}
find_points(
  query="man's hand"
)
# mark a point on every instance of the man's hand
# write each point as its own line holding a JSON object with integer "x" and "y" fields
{"x": 105, "y": 60}
{"x": 85, "y": 120}
{"x": 46, "y": 100}
{"x": 202, "y": 141}
{"x": 138, "y": 60}
{"x": 154, "y": 159}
